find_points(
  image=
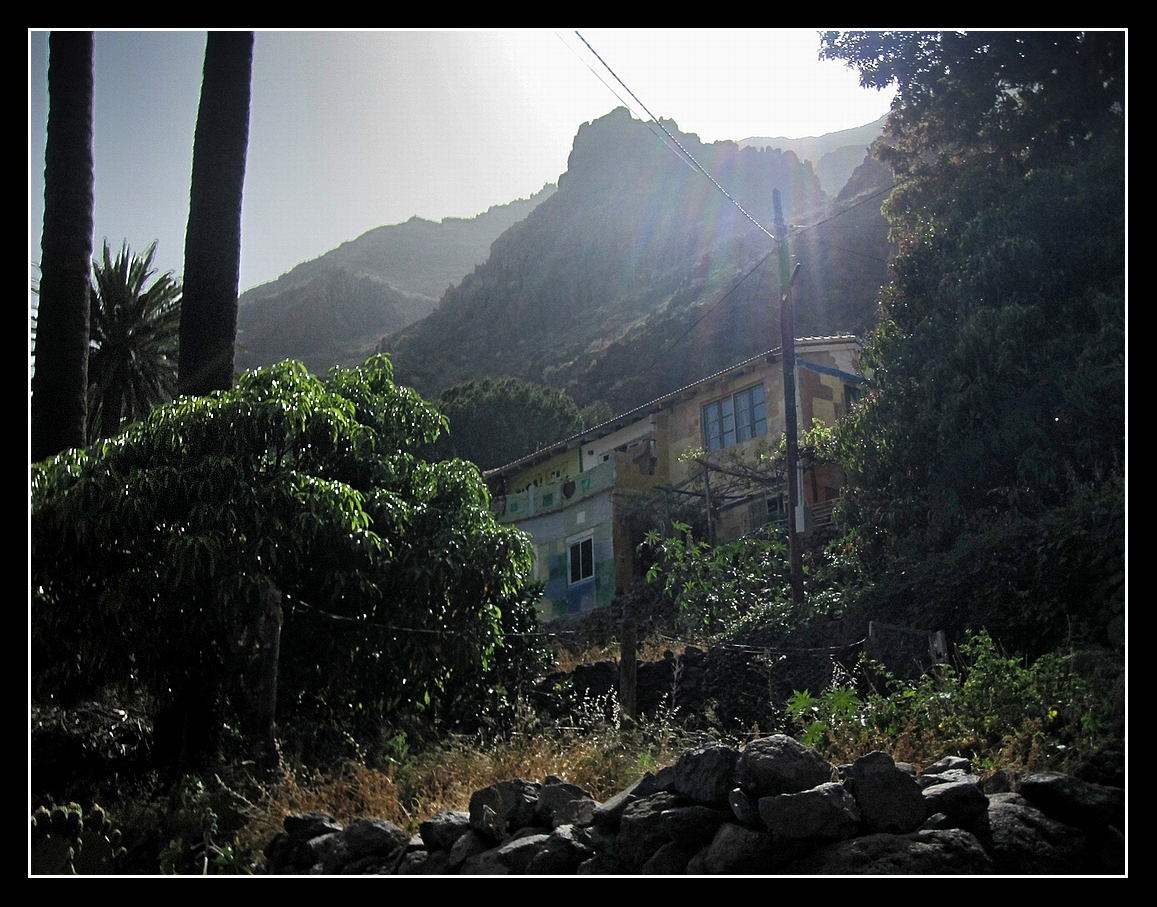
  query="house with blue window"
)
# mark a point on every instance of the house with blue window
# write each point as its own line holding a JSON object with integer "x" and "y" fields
{"x": 574, "y": 498}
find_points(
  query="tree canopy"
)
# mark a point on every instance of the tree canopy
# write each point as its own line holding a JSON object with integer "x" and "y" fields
{"x": 154, "y": 553}
{"x": 1035, "y": 96}
{"x": 998, "y": 390}
{"x": 494, "y": 422}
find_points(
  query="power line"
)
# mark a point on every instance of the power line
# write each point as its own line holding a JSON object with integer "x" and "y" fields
{"x": 363, "y": 621}
{"x": 718, "y": 303}
{"x": 686, "y": 156}
{"x": 690, "y": 157}
{"x": 619, "y": 97}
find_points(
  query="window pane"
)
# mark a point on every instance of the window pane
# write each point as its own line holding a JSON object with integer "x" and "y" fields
{"x": 712, "y": 426}
{"x": 743, "y": 416}
{"x": 581, "y": 556}
{"x": 575, "y": 564}
{"x": 758, "y": 412}
{"x": 735, "y": 419}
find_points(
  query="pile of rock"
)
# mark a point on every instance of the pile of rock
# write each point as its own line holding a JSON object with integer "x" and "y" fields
{"x": 775, "y": 807}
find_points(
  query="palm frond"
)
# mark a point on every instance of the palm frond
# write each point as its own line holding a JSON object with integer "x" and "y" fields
{"x": 134, "y": 329}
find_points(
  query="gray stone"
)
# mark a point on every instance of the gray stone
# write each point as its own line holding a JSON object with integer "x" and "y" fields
{"x": 562, "y": 853}
{"x": 503, "y": 807}
{"x": 705, "y": 774}
{"x": 1026, "y": 841}
{"x": 442, "y": 830}
{"x": 517, "y": 853}
{"x": 950, "y": 763}
{"x": 1073, "y": 801}
{"x": 944, "y": 777}
{"x": 962, "y": 801}
{"x": 330, "y": 853}
{"x": 472, "y": 843}
{"x": 889, "y": 799}
{"x": 303, "y": 826}
{"x": 946, "y": 852}
{"x": 826, "y": 813}
{"x": 373, "y": 837}
{"x": 602, "y": 864}
{"x": 694, "y": 825}
{"x": 669, "y": 860}
{"x": 642, "y": 830}
{"x": 437, "y": 863}
{"x": 736, "y": 850}
{"x": 610, "y": 813}
{"x": 560, "y": 803}
{"x": 744, "y": 808}
{"x": 779, "y": 765}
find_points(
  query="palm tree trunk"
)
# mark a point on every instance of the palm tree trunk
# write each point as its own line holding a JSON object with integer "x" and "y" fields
{"x": 213, "y": 236}
{"x": 60, "y": 382}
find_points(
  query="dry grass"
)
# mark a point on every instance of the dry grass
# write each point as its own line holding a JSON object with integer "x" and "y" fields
{"x": 653, "y": 648}
{"x": 589, "y": 752}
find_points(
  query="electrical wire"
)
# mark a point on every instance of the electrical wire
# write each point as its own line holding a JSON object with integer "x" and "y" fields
{"x": 690, "y": 157}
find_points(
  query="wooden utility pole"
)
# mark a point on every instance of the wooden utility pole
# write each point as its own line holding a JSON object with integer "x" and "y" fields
{"x": 787, "y": 344}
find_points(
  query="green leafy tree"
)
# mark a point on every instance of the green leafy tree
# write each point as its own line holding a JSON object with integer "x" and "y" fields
{"x": 998, "y": 370}
{"x": 494, "y": 422}
{"x": 134, "y": 328}
{"x": 713, "y": 588}
{"x": 213, "y": 236}
{"x": 156, "y": 556}
{"x": 60, "y": 383}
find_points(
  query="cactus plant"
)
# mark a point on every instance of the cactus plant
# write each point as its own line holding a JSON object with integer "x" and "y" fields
{"x": 67, "y": 841}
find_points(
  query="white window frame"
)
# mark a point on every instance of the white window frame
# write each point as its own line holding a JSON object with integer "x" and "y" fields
{"x": 585, "y": 567}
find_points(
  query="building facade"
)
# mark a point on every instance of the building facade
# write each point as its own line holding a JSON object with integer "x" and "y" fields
{"x": 579, "y": 499}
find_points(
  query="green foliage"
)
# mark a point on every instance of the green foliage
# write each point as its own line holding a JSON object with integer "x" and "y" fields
{"x": 195, "y": 845}
{"x": 992, "y": 708}
{"x": 1000, "y": 372}
{"x": 1038, "y": 96}
{"x": 1038, "y": 581}
{"x": 132, "y": 363}
{"x": 493, "y": 423}
{"x": 745, "y": 582}
{"x": 714, "y": 587}
{"x": 153, "y": 553}
{"x": 998, "y": 383}
{"x": 838, "y": 705}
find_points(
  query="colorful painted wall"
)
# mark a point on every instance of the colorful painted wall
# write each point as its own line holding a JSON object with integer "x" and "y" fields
{"x": 571, "y": 500}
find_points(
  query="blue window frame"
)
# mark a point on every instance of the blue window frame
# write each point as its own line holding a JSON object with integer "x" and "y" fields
{"x": 735, "y": 419}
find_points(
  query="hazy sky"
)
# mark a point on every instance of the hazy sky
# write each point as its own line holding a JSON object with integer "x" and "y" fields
{"x": 353, "y": 130}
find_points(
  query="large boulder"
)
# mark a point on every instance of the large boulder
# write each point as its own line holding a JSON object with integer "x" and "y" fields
{"x": 889, "y": 798}
{"x": 780, "y": 765}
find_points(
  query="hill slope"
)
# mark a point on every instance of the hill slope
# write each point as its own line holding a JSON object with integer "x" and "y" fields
{"x": 617, "y": 287}
{"x": 335, "y": 308}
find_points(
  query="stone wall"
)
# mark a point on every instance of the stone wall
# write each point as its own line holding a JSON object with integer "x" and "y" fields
{"x": 774, "y": 807}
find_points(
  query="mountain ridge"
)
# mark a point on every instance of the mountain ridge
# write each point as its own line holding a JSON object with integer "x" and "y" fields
{"x": 834, "y": 155}
{"x": 332, "y": 310}
{"x": 627, "y": 279}
{"x": 594, "y": 291}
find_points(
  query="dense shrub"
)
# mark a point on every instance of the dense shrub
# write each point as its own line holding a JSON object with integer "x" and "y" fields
{"x": 163, "y": 559}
